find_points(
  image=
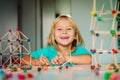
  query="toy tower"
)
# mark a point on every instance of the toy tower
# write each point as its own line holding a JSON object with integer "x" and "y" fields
{"x": 103, "y": 28}
{"x": 13, "y": 46}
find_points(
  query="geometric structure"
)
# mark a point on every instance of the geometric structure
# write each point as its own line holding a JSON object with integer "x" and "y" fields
{"x": 13, "y": 46}
{"x": 103, "y": 28}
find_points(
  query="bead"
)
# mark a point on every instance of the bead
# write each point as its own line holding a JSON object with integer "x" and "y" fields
{"x": 30, "y": 67}
{"x": 66, "y": 67}
{"x": 21, "y": 77}
{"x": 114, "y": 11}
{"x": 39, "y": 69}
{"x": 118, "y": 18}
{"x": 25, "y": 70}
{"x": 10, "y": 75}
{"x": 28, "y": 40}
{"x": 17, "y": 40}
{"x": 111, "y": 67}
{"x": 98, "y": 65}
{"x": 5, "y": 66}
{"x": 0, "y": 67}
{"x": 116, "y": 70}
{"x": 60, "y": 67}
{"x": 92, "y": 67}
{"x": 30, "y": 75}
{"x": 93, "y": 50}
{"x": 18, "y": 30}
{"x": 107, "y": 75}
{"x": 100, "y": 19}
{"x": 21, "y": 54}
{"x": 9, "y": 30}
{"x": 114, "y": 51}
{"x": 1, "y": 73}
{"x": 8, "y": 40}
{"x": 21, "y": 43}
{"x": 96, "y": 71}
{"x": 45, "y": 68}
{"x": 92, "y": 32}
{"x": 0, "y": 54}
{"x": 112, "y": 32}
{"x": 114, "y": 77}
{"x": 97, "y": 34}
{"x": 93, "y": 13}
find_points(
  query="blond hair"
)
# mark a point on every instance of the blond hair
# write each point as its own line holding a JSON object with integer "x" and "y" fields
{"x": 78, "y": 41}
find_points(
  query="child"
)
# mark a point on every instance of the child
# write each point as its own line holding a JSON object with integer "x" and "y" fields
{"x": 64, "y": 45}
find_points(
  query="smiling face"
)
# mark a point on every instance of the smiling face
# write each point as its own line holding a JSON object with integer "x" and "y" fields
{"x": 64, "y": 33}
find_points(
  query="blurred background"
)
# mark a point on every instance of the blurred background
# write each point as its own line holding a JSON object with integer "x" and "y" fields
{"x": 34, "y": 18}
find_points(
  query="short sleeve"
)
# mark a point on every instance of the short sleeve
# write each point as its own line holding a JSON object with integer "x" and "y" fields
{"x": 49, "y": 52}
{"x": 80, "y": 50}
{"x": 40, "y": 52}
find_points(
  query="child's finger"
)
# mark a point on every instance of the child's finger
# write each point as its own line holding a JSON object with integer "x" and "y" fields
{"x": 45, "y": 60}
{"x": 55, "y": 60}
{"x": 61, "y": 59}
{"x": 36, "y": 62}
{"x": 42, "y": 62}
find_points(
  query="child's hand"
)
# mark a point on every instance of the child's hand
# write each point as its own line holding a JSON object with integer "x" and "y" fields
{"x": 44, "y": 61}
{"x": 41, "y": 61}
{"x": 36, "y": 62}
{"x": 59, "y": 59}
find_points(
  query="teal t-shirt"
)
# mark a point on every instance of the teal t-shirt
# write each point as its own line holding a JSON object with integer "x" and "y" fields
{"x": 50, "y": 52}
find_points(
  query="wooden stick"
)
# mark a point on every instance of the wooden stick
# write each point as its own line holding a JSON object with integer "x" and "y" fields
{"x": 111, "y": 5}
{"x": 101, "y": 9}
{"x": 114, "y": 18}
{"x": 25, "y": 48}
{"x": 94, "y": 5}
{"x": 23, "y": 35}
{"x": 107, "y": 19}
{"x": 91, "y": 24}
{"x": 4, "y": 35}
{"x": 93, "y": 41}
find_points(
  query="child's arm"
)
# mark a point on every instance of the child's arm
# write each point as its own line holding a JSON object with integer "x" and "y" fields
{"x": 35, "y": 62}
{"x": 25, "y": 60}
{"x": 78, "y": 59}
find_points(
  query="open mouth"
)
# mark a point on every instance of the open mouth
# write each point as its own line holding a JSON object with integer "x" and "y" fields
{"x": 65, "y": 37}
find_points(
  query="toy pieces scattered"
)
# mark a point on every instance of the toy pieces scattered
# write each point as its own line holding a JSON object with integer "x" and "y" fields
{"x": 39, "y": 69}
{"x": 111, "y": 67}
{"x": 14, "y": 68}
{"x": 46, "y": 68}
{"x": 64, "y": 67}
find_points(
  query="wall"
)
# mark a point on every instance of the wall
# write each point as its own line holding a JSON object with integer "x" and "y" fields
{"x": 37, "y": 18}
{"x": 48, "y": 15}
{"x": 28, "y": 21}
{"x": 8, "y": 16}
{"x": 80, "y": 10}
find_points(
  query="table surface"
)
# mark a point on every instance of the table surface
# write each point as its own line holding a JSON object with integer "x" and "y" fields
{"x": 80, "y": 72}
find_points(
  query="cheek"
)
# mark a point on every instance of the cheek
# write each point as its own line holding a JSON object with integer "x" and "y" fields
{"x": 72, "y": 33}
{"x": 56, "y": 35}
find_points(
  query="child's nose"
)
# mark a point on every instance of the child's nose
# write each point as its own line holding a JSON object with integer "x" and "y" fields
{"x": 64, "y": 31}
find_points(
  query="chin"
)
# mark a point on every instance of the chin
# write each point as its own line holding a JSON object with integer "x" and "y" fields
{"x": 65, "y": 44}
